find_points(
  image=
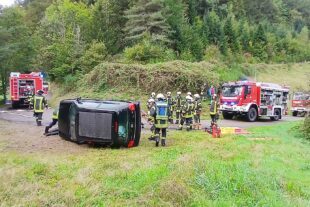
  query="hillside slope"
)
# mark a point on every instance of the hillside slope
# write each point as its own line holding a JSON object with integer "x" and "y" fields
{"x": 297, "y": 76}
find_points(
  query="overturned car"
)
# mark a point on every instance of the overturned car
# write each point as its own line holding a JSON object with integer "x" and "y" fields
{"x": 114, "y": 123}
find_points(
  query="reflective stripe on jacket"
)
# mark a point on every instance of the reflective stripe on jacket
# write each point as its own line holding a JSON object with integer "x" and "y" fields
{"x": 38, "y": 104}
{"x": 55, "y": 114}
{"x": 213, "y": 108}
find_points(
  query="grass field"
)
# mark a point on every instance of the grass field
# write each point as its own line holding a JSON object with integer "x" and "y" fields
{"x": 269, "y": 167}
{"x": 294, "y": 75}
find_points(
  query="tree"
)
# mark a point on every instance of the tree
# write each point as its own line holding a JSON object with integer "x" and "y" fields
{"x": 260, "y": 43}
{"x": 16, "y": 46}
{"x": 109, "y": 22}
{"x": 231, "y": 35}
{"x": 213, "y": 24}
{"x": 146, "y": 17}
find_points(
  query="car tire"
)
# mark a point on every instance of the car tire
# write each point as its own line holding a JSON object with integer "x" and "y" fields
{"x": 295, "y": 113}
{"x": 252, "y": 114}
{"x": 15, "y": 104}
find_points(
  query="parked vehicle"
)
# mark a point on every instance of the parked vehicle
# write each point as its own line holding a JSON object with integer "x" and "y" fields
{"x": 115, "y": 123}
{"x": 300, "y": 104}
{"x": 253, "y": 99}
{"x": 22, "y": 86}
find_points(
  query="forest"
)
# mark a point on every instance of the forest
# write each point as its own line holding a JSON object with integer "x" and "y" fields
{"x": 67, "y": 37}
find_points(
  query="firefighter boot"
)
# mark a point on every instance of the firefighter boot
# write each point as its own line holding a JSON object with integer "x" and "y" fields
{"x": 157, "y": 141}
{"x": 46, "y": 130}
{"x": 180, "y": 127}
{"x": 163, "y": 142}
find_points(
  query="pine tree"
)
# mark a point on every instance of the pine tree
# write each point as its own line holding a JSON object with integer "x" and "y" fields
{"x": 231, "y": 35}
{"x": 244, "y": 35}
{"x": 223, "y": 42}
{"x": 146, "y": 17}
{"x": 260, "y": 43}
{"x": 213, "y": 24}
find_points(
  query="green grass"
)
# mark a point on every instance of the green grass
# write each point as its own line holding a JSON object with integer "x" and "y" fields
{"x": 294, "y": 75}
{"x": 270, "y": 167}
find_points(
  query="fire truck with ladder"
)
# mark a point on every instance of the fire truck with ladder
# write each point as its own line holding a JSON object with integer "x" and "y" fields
{"x": 300, "y": 103}
{"x": 253, "y": 100}
{"x": 22, "y": 86}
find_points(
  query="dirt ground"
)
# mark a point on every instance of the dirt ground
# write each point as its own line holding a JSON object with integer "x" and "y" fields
{"x": 18, "y": 132}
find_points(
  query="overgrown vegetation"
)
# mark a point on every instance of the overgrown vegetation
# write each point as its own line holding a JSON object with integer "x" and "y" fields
{"x": 69, "y": 37}
{"x": 269, "y": 167}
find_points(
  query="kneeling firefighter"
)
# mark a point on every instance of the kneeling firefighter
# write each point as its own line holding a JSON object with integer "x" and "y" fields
{"x": 187, "y": 114}
{"x": 160, "y": 114}
{"x": 39, "y": 102}
{"x": 54, "y": 121}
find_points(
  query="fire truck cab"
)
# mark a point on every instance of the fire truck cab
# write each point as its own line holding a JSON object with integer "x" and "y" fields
{"x": 23, "y": 86}
{"x": 253, "y": 100}
{"x": 300, "y": 103}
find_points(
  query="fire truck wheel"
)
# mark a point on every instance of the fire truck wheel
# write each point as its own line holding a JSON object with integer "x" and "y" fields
{"x": 277, "y": 114}
{"x": 295, "y": 113}
{"x": 252, "y": 114}
{"x": 15, "y": 104}
{"x": 227, "y": 115}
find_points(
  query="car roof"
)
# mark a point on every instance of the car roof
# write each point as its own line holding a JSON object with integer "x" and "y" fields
{"x": 99, "y": 104}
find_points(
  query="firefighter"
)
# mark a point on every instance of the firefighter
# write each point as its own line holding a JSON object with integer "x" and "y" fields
{"x": 30, "y": 99}
{"x": 39, "y": 102}
{"x": 197, "y": 113}
{"x": 214, "y": 110}
{"x": 153, "y": 94}
{"x": 150, "y": 119}
{"x": 54, "y": 121}
{"x": 160, "y": 114}
{"x": 187, "y": 114}
{"x": 178, "y": 107}
{"x": 170, "y": 101}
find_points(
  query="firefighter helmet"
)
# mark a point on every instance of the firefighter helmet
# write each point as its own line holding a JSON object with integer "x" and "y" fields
{"x": 160, "y": 96}
{"x": 168, "y": 93}
{"x": 189, "y": 93}
{"x": 197, "y": 95}
{"x": 153, "y": 94}
{"x": 188, "y": 98}
{"x": 179, "y": 93}
{"x": 40, "y": 92}
{"x": 151, "y": 100}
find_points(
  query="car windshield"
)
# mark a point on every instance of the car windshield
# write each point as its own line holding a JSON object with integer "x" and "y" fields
{"x": 123, "y": 124}
{"x": 231, "y": 91}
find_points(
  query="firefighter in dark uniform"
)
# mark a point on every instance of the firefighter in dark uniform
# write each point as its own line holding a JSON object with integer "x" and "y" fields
{"x": 54, "y": 120}
{"x": 160, "y": 114}
{"x": 178, "y": 107}
{"x": 39, "y": 102}
{"x": 214, "y": 110}
{"x": 187, "y": 114}
{"x": 170, "y": 101}
{"x": 197, "y": 113}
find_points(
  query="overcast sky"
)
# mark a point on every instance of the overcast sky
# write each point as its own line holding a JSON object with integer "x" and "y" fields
{"x": 7, "y": 2}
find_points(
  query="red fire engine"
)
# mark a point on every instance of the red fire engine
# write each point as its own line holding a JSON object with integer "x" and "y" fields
{"x": 22, "y": 86}
{"x": 300, "y": 104}
{"x": 253, "y": 100}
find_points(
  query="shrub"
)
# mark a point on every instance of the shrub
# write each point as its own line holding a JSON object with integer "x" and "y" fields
{"x": 305, "y": 128}
{"x": 147, "y": 52}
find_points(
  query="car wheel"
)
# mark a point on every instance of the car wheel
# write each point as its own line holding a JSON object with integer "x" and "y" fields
{"x": 295, "y": 113}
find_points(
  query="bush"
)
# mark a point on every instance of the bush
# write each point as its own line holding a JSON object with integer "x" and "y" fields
{"x": 70, "y": 82}
{"x": 148, "y": 52}
{"x": 305, "y": 128}
{"x": 174, "y": 75}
